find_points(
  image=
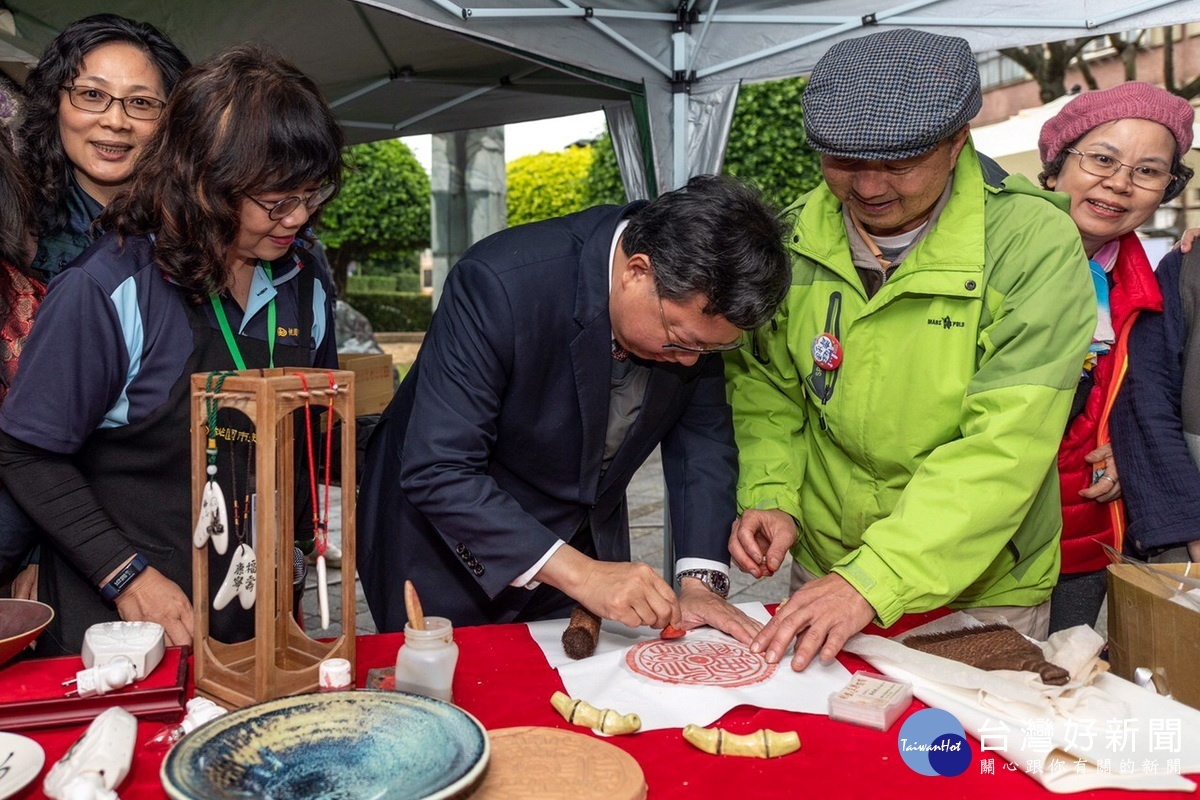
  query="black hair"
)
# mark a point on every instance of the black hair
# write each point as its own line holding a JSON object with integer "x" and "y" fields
{"x": 244, "y": 122}
{"x": 41, "y": 147}
{"x": 716, "y": 237}
{"x": 16, "y": 215}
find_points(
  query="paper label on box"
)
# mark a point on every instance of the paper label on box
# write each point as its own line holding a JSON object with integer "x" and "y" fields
{"x": 864, "y": 690}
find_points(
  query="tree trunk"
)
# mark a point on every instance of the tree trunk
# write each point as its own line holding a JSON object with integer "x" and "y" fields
{"x": 1088, "y": 77}
{"x": 1047, "y": 64}
{"x": 1169, "y": 60}
{"x": 340, "y": 259}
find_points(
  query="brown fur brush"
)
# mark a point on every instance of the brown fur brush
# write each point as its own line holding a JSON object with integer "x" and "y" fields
{"x": 582, "y": 633}
{"x": 991, "y": 647}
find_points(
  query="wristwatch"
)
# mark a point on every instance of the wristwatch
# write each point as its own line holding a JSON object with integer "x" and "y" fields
{"x": 715, "y": 580}
{"x": 111, "y": 590}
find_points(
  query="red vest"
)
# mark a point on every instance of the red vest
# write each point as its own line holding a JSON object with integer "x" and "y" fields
{"x": 1087, "y": 523}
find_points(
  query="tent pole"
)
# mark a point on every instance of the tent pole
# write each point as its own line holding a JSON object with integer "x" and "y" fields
{"x": 679, "y": 116}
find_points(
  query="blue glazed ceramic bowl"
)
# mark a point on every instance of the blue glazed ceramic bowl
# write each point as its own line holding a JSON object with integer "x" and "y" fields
{"x": 387, "y": 745}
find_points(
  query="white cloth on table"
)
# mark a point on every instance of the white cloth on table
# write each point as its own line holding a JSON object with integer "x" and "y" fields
{"x": 1097, "y": 731}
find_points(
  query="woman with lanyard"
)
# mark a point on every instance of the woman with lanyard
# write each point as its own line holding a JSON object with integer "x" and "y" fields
{"x": 1118, "y": 154}
{"x": 199, "y": 272}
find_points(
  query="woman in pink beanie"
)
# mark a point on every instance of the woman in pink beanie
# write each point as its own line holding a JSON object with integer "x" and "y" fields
{"x": 1117, "y": 153}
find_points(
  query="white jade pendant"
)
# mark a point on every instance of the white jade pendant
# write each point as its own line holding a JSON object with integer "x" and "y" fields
{"x": 322, "y": 592}
{"x": 213, "y": 522}
{"x": 241, "y": 579}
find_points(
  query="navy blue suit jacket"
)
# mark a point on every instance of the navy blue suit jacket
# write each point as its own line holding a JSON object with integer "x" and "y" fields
{"x": 491, "y": 449}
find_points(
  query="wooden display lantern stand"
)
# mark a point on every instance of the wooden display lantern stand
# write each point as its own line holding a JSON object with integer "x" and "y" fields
{"x": 281, "y": 659}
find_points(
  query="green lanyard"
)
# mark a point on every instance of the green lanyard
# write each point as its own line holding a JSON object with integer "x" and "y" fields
{"x": 227, "y": 332}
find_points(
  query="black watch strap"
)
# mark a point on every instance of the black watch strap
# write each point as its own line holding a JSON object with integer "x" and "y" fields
{"x": 111, "y": 590}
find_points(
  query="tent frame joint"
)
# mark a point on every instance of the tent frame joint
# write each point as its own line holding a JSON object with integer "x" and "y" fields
{"x": 869, "y": 20}
{"x": 685, "y": 17}
{"x": 681, "y": 81}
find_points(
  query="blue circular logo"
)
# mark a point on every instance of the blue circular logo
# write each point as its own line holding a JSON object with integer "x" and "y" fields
{"x": 933, "y": 742}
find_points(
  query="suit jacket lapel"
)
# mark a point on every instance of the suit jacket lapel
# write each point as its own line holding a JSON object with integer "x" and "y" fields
{"x": 591, "y": 351}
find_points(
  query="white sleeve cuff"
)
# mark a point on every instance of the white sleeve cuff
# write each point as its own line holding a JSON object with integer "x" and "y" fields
{"x": 700, "y": 563}
{"x": 525, "y": 579}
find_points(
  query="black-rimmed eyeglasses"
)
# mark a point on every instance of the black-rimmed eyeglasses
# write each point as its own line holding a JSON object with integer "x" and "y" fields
{"x": 312, "y": 201}
{"x": 671, "y": 345}
{"x": 1103, "y": 165}
{"x": 97, "y": 101}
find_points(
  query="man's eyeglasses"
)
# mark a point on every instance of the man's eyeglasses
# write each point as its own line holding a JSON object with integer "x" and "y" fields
{"x": 97, "y": 101}
{"x": 1105, "y": 166}
{"x": 312, "y": 201}
{"x": 670, "y": 345}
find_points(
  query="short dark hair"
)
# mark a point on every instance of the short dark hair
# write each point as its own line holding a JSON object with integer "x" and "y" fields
{"x": 41, "y": 146}
{"x": 719, "y": 238}
{"x": 244, "y": 122}
{"x": 1181, "y": 173}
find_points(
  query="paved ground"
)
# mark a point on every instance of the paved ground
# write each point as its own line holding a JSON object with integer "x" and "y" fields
{"x": 645, "y": 515}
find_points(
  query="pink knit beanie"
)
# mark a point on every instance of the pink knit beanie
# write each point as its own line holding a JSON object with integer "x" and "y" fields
{"x": 1133, "y": 100}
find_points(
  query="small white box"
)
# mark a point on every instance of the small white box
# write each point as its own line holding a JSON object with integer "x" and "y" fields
{"x": 875, "y": 701}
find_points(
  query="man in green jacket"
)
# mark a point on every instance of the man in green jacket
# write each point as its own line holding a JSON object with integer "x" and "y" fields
{"x": 898, "y": 420}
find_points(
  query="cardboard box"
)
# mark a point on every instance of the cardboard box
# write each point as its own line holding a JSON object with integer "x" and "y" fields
{"x": 373, "y": 382}
{"x": 1147, "y": 629}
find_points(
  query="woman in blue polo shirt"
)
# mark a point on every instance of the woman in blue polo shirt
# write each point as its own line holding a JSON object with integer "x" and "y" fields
{"x": 199, "y": 271}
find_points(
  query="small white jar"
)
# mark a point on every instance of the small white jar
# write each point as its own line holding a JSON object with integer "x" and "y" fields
{"x": 425, "y": 662}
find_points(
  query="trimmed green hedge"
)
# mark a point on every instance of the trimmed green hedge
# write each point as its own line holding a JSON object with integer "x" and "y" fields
{"x": 393, "y": 311}
{"x": 356, "y": 284}
{"x": 369, "y": 284}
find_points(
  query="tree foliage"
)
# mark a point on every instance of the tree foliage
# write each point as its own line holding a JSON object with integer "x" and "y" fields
{"x": 547, "y": 185}
{"x": 382, "y": 210}
{"x": 603, "y": 184}
{"x": 766, "y": 142}
{"x": 766, "y": 147}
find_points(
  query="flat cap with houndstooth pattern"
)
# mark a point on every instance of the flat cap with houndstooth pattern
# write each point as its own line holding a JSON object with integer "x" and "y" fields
{"x": 890, "y": 95}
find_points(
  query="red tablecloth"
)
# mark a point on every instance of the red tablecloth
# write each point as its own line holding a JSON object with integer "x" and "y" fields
{"x": 504, "y": 680}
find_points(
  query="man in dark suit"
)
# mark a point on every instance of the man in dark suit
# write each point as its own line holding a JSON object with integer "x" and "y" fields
{"x": 561, "y": 354}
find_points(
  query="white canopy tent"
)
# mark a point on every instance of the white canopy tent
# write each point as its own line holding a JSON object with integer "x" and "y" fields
{"x": 690, "y": 57}
{"x": 667, "y": 73}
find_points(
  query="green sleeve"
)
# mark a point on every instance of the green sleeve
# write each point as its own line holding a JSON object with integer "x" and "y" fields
{"x": 767, "y": 396}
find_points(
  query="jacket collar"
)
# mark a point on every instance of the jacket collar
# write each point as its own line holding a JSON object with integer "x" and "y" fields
{"x": 591, "y": 298}
{"x": 955, "y": 241}
{"x": 1135, "y": 286}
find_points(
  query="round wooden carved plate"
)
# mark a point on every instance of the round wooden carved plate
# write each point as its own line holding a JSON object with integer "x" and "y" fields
{"x": 531, "y": 763}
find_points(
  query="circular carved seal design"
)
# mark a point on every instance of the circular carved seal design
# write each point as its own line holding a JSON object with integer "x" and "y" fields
{"x": 698, "y": 663}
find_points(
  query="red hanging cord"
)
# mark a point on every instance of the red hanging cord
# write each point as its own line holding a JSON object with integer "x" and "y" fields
{"x": 324, "y": 519}
{"x": 312, "y": 465}
{"x": 320, "y": 520}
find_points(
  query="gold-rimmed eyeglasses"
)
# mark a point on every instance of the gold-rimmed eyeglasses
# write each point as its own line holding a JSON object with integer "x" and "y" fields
{"x": 97, "y": 101}
{"x": 671, "y": 345}
{"x": 312, "y": 201}
{"x": 1103, "y": 165}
